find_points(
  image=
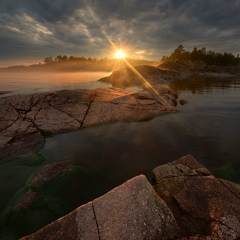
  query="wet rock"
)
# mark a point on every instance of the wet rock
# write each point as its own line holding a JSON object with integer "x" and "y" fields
{"x": 183, "y": 101}
{"x": 202, "y": 204}
{"x": 25, "y": 201}
{"x": 130, "y": 211}
{"x": 43, "y": 176}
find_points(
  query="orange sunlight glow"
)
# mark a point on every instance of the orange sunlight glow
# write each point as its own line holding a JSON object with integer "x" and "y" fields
{"x": 120, "y": 54}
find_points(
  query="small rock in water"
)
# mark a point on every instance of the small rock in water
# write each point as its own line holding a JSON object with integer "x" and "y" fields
{"x": 183, "y": 101}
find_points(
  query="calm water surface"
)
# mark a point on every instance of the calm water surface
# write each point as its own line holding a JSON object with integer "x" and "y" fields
{"x": 32, "y": 82}
{"x": 206, "y": 127}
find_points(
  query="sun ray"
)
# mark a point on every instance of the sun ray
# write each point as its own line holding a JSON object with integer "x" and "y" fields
{"x": 148, "y": 86}
{"x": 121, "y": 55}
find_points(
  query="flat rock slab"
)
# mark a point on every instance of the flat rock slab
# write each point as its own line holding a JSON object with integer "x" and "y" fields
{"x": 205, "y": 207}
{"x": 131, "y": 211}
{"x": 25, "y": 119}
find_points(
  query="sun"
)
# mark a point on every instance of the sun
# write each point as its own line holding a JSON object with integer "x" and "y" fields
{"x": 120, "y": 54}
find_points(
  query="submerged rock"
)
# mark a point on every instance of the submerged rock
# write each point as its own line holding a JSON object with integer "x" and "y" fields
{"x": 26, "y": 119}
{"x": 48, "y": 172}
{"x": 44, "y": 176}
{"x": 191, "y": 204}
{"x": 25, "y": 201}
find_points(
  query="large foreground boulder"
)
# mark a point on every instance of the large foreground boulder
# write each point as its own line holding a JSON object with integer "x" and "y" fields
{"x": 190, "y": 204}
{"x": 130, "y": 211}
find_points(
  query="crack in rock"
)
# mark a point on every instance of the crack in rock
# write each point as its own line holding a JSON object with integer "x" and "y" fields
{"x": 67, "y": 110}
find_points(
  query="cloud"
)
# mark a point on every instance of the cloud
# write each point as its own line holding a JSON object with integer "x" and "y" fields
{"x": 36, "y": 29}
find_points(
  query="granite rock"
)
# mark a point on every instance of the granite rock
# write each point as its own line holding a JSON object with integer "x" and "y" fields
{"x": 188, "y": 203}
{"x": 26, "y": 119}
{"x": 203, "y": 205}
{"x": 142, "y": 75}
{"x": 130, "y": 211}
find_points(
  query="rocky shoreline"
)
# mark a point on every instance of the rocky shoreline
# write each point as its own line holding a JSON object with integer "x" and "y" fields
{"x": 25, "y": 120}
{"x": 185, "y": 202}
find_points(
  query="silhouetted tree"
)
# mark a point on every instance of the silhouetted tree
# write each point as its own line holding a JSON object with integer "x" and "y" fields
{"x": 48, "y": 59}
{"x": 202, "y": 55}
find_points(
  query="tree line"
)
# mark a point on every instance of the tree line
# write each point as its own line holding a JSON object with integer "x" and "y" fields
{"x": 63, "y": 61}
{"x": 202, "y": 55}
{"x": 65, "y": 58}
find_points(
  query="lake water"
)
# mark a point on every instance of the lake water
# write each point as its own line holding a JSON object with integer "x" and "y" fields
{"x": 105, "y": 156}
{"x": 31, "y": 82}
{"x": 208, "y": 127}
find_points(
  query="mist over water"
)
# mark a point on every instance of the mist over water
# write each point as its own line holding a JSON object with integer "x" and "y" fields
{"x": 31, "y": 82}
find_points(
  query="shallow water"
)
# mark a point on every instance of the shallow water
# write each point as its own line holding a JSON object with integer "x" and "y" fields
{"x": 105, "y": 156}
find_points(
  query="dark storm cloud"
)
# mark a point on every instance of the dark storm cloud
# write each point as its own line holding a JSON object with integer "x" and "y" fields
{"x": 151, "y": 28}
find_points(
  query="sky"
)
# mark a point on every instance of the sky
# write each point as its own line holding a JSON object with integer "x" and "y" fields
{"x": 31, "y": 30}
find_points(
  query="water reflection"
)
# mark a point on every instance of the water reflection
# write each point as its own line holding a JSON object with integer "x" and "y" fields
{"x": 204, "y": 84}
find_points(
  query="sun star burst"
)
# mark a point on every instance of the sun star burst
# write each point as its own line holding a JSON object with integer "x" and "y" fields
{"x": 120, "y": 54}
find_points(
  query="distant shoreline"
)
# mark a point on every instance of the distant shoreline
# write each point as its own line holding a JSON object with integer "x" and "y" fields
{"x": 107, "y": 65}
{"x": 4, "y": 92}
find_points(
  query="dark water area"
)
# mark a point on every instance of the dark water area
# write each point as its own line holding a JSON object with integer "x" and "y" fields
{"x": 105, "y": 156}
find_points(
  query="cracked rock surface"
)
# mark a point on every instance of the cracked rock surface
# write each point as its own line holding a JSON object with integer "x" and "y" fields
{"x": 131, "y": 211}
{"x": 205, "y": 207}
{"x": 188, "y": 203}
{"x": 25, "y": 119}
